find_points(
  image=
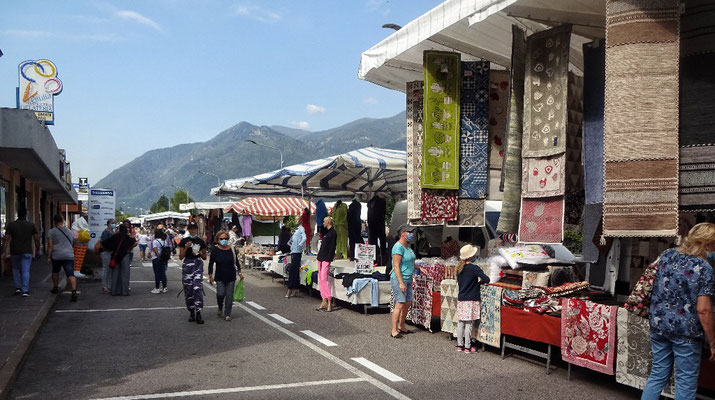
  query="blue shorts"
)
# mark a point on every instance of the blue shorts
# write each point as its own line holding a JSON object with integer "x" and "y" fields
{"x": 400, "y": 296}
{"x": 142, "y": 247}
{"x": 67, "y": 265}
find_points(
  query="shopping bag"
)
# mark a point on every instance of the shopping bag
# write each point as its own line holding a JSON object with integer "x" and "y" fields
{"x": 238, "y": 291}
{"x": 639, "y": 301}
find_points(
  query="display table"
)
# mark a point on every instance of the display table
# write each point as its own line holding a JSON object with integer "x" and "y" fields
{"x": 531, "y": 326}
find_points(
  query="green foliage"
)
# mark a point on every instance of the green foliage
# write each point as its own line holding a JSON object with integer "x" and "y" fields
{"x": 161, "y": 205}
{"x": 389, "y": 208}
{"x": 291, "y": 222}
{"x": 573, "y": 241}
{"x": 180, "y": 197}
{"x": 120, "y": 215}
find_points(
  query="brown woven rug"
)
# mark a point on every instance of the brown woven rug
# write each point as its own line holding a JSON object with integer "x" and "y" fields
{"x": 413, "y": 93}
{"x": 697, "y": 178}
{"x": 641, "y": 118}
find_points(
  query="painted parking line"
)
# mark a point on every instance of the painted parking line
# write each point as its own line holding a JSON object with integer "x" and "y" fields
{"x": 236, "y": 389}
{"x": 68, "y": 311}
{"x": 255, "y": 305}
{"x": 377, "y": 369}
{"x": 319, "y": 338}
{"x": 147, "y": 264}
{"x": 280, "y": 319}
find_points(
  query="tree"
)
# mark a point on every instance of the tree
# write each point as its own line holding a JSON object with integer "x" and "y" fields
{"x": 180, "y": 197}
{"x": 120, "y": 215}
{"x": 161, "y": 205}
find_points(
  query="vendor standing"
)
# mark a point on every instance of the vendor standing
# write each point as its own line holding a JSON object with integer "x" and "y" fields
{"x": 403, "y": 261}
{"x": 192, "y": 250}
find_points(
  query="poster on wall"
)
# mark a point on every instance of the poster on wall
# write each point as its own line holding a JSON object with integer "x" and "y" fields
{"x": 37, "y": 88}
{"x": 102, "y": 203}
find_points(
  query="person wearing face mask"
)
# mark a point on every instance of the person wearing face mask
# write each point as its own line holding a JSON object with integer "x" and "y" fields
{"x": 105, "y": 255}
{"x": 681, "y": 313}
{"x": 159, "y": 260}
{"x": 192, "y": 250}
{"x": 403, "y": 266}
{"x": 227, "y": 268}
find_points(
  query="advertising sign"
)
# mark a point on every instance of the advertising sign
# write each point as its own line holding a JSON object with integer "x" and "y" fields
{"x": 38, "y": 86}
{"x": 363, "y": 267}
{"x": 364, "y": 257}
{"x": 102, "y": 203}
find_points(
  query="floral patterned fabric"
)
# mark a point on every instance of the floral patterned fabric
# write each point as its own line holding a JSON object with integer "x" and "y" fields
{"x": 588, "y": 335}
{"x": 680, "y": 279}
{"x": 414, "y": 94}
{"x": 439, "y": 205}
{"x": 544, "y": 177}
{"x": 639, "y": 300}
{"x": 490, "y": 326}
{"x": 420, "y": 313}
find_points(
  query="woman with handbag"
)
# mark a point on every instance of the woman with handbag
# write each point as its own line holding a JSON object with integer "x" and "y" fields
{"x": 60, "y": 250}
{"x": 681, "y": 314}
{"x": 120, "y": 245}
{"x": 227, "y": 268}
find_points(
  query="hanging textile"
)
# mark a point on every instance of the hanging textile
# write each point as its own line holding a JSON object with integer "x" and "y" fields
{"x": 449, "y": 290}
{"x": 511, "y": 172}
{"x": 592, "y": 214}
{"x": 490, "y": 324}
{"x": 635, "y": 357}
{"x": 471, "y": 212}
{"x": 542, "y": 220}
{"x": 588, "y": 335}
{"x": 420, "y": 313}
{"x": 697, "y": 178}
{"x": 575, "y": 196}
{"x": 545, "y": 92}
{"x": 641, "y": 118}
{"x": 354, "y": 227}
{"x": 413, "y": 93}
{"x": 440, "y": 152}
{"x": 544, "y": 177}
{"x": 498, "y": 104}
{"x": 320, "y": 213}
{"x": 439, "y": 205}
{"x": 594, "y": 78}
{"x": 473, "y": 130}
{"x": 340, "y": 222}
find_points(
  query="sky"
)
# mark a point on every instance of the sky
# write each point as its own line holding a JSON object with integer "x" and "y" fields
{"x": 140, "y": 75}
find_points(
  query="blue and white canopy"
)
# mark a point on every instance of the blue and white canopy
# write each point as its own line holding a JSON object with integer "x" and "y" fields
{"x": 362, "y": 172}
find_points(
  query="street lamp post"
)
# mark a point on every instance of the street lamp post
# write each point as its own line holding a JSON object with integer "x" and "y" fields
{"x": 218, "y": 181}
{"x": 267, "y": 146}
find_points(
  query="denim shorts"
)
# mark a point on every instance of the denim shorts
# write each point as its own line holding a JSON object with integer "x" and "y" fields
{"x": 400, "y": 296}
{"x": 142, "y": 247}
{"x": 67, "y": 265}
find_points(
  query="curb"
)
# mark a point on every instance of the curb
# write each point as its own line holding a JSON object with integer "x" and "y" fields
{"x": 9, "y": 371}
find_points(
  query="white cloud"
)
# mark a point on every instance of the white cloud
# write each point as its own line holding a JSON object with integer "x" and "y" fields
{"x": 314, "y": 109}
{"x": 370, "y": 100}
{"x": 138, "y": 18}
{"x": 305, "y": 125}
{"x": 256, "y": 12}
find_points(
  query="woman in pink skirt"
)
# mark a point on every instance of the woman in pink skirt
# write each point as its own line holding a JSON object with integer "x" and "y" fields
{"x": 469, "y": 277}
{"x": 326, "y": 254}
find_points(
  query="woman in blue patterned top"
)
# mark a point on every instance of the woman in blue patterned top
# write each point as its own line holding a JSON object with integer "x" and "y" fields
{"x": 681, "y": 314}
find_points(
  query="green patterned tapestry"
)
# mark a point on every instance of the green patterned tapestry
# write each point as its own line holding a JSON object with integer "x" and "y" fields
{"x": 440, "y": 150}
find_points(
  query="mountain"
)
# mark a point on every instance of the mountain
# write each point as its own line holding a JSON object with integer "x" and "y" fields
{"x": 140, "y": 182}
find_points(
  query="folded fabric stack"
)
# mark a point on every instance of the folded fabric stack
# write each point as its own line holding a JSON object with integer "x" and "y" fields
{"x": 566, "y": 289}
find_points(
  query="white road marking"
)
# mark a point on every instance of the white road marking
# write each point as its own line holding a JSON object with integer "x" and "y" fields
{"x": 255, "y": 305}
{"x": 171, "y": 264}
{"x": 281, "y": 319}
{"x": 236, "y": 389}
{"x": 126, "y": 309}
{"x": 147, "y": 264}
{"x": 319, "y": 338}
{"x": 377, "y": 369}
{"x": 142, "y": 282}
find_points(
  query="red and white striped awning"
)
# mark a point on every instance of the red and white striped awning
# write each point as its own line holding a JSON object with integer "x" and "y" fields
{"x": 271, "y": 206}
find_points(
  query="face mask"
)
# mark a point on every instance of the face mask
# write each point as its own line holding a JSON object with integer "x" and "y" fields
{"x": 223, "y": 242}
{"x": 194, "y": 236}
{"x": 410, "y": 236}
{"x": 114, "y": 226}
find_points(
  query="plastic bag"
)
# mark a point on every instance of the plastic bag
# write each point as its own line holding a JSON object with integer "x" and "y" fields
{"x": 238, "y": 292}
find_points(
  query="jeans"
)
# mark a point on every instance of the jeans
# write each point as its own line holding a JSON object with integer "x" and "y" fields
{"x": 224, "y": 296}
{"x": 159, "y": 272}
{"x": 464, "y": 333}
{"x": 106, "y": 271}
{"x": 399, "y": 295}
{"x": 21, "y": 271}
{"x": 687, "y": 367}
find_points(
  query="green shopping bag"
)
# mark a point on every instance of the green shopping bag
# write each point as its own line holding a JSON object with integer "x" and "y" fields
{"x": 238, "y": 292}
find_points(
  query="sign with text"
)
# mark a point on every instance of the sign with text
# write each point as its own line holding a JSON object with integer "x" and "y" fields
{"x": 38, "y": 86}
{"x": 102, "y": 203}
{"x": 363, "y": 267}
{"x": 366, "y": 252}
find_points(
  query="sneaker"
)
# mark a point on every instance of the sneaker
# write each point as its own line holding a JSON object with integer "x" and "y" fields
{"x": 155, "y": 291}
{"x": 17, "y": 292}
{"x": 165, "y": 290}
{"x": 25, "y": 294}
{"x": 460, "y": 348}
{"x": 192, "y": 316}
{"x": 106, "y": 290}
{"x": 466, "y": 350}
{"x": 55, "y": 290}
{"x": 473, "y": 350}
{"x": 74, "y": 296}
{"x": 199, "y": 320}
{"x": 228, "y": 318}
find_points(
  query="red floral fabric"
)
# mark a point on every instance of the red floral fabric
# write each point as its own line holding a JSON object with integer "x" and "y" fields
{"x": 420, "y": 313}
{"x": 439, "y": 205}
{"x": 588, "y": 334}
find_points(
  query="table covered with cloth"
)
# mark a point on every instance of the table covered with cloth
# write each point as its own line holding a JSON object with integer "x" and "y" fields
{"x": 527, "y": 325}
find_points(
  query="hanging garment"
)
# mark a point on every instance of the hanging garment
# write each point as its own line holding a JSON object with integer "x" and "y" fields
{"x": 354, "y": 227}
{"x": 340, "y": 221}
{"x": 320, "y": 212}
{"x": 246, "y": 221}
{"x": 305, "y": 222}
{"x": 376, "y": 209}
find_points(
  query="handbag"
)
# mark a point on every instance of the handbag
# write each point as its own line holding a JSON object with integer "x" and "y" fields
{"x": 238, "y": 292}
{"x": 639, "y": 301}
{"x": 113, "y": 262}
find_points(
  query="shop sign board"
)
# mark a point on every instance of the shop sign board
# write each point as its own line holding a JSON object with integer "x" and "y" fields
{"x": 102, "y": 203}
{"x": 37, "y": 88}
{"x": 366, "y": 252}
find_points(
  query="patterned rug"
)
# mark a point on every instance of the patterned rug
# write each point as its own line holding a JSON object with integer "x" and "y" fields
{"x": 470, "y": 214}
{"x": 545, "y": 92}
{"x": 490, "y": 325}
{"x": 473, "y": 130}
{"x": 588, "y": 335}
{"x": 440, "y": 152}
{"x": 511, "y": 172}
{"x": 413, "y": 93}
{"x": 697, "y": 178}
{"x": 574, "y": 143}
{"x": 448, "y": 294}
{"x": 498, "y": 104}
{"x": 641, "y": 137}
{"x": 634, "y": 358}
{"x": 420, "y": 313}
{"x": 594, "y": 59}
{"x": 542, "y": 220}
{"x": 439, "y": 205}
{"x": 544, "y": 177}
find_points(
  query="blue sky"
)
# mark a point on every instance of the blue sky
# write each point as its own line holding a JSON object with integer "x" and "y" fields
{"x": 139, "y": 75}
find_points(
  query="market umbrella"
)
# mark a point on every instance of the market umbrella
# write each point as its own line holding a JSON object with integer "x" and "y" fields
{"x": 271, "y": 206}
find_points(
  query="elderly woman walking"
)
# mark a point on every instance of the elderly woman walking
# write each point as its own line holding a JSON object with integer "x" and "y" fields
{"x": 403, "y": 266}
{"x": 681, "y": 314}
{"x": 326, "y": 255}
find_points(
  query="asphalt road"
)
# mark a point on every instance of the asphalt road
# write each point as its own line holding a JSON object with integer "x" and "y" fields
{"x": 142, "y": 346}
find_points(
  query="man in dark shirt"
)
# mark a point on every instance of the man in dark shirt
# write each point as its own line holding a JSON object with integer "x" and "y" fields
{"x": 192, "y": 250}
{"x": 19, "y": 236}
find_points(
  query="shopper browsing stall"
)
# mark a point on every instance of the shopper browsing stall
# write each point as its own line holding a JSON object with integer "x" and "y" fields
{"x": 192, "y": 250}
{"x": 470, "y": 278}
{"x": 326, "y": 254}
{"x": 403, "y": 261}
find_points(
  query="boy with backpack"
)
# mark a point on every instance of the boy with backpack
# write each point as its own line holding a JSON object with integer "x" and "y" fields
{"x": 160, "y": 255}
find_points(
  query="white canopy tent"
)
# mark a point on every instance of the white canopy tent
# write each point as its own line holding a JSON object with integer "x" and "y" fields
{"x": 166, "y": 214}
{"x": 478, "y": 29}
{"x": 249, "y": 187}
{"x": 205, "y": 205}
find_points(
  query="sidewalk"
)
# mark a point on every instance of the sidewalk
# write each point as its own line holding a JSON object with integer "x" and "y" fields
{"x": 21, "y": 319}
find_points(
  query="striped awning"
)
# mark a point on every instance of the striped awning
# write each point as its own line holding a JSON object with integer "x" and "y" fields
{"x": 362, "y": 172}
{"x": 271, "y": 206}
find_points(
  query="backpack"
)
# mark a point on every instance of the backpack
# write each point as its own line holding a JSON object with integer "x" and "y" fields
{"x": 164, "y": 252}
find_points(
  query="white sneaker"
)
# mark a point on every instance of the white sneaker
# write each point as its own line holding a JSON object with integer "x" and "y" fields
{"x": 155, "y": 291}
{"x": 165, "y": 290}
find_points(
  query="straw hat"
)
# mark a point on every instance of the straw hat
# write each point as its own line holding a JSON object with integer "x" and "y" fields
{"x": 467, "y": 252}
